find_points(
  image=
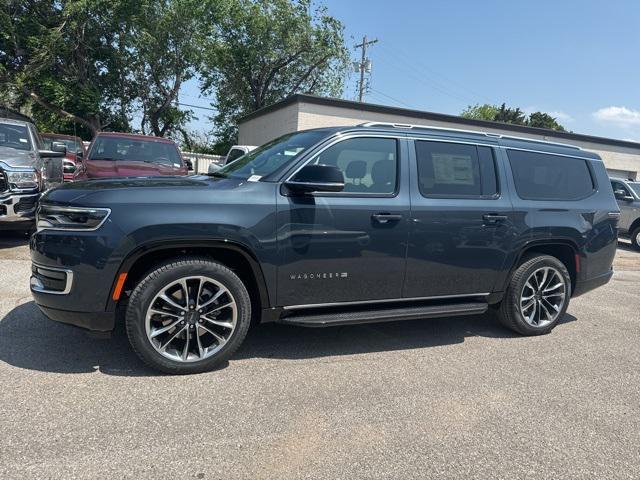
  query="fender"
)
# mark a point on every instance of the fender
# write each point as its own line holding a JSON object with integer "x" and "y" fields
{"x": 532, "y": 244}
{"x": 155, "y": 246}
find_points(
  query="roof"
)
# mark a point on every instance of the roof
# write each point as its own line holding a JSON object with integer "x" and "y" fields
{"x": 7, "y": 113}
{"x": 134, "y": 136}
{"x": 13, "y": 121}
{"x": 440, "y": 117}
{"x": 60, "y": 135}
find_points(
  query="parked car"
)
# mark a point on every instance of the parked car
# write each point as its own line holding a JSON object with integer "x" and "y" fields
{"x": 26, "y": 170}
{"x": 128, "y": 155}
{"x": 627, "y": 194}
{"x": 75, "y": 151}
{"x": 326, "y": 227}
{"x": 234, "y": 153}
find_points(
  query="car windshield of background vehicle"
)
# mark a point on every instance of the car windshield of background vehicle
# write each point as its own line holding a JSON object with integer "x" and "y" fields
{"x": 636, "y": 187}
{"x": 72, "y": 145}
{"x": 133, "y": 150}
{"x": 272, "y": 156}
{"x": 14, "y": 136}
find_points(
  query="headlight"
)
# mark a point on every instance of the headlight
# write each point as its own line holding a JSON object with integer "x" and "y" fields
{"x": 23, "y": 179}
{"x": 52, "y": 217}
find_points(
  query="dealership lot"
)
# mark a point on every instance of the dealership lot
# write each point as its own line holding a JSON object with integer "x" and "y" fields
{"x": 446, "y": 398}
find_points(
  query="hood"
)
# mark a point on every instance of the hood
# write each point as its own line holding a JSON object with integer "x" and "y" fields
{"x": 127, "y": 168}
{"x": 17, "y": 158}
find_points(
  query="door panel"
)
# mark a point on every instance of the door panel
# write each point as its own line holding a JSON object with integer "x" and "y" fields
{"x": 457, "y": 246}
{"x": 347, "y": 246}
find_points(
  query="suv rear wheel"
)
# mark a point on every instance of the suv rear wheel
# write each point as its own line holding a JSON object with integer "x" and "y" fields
{"x": 635, "y": 238}
{"x": 188, "y": 316}
{"x": 537, "y": 296}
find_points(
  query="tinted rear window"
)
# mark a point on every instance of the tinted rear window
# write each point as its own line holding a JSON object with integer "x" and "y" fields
{"x": 540, "y": 176}
{"x": 119, "y": 149}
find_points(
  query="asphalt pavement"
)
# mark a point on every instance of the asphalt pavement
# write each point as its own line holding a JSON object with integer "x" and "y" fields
{"x": 441, "y": 398}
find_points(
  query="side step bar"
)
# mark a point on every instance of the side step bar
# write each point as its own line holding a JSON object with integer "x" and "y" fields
{"x": 384, "y": 315}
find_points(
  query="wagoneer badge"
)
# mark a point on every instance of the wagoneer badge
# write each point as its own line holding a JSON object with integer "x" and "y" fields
{"x": 318, "y": 276}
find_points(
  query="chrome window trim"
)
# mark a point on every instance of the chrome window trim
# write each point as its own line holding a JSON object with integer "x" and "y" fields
{"x": 78, "y": 210}
{"x": 68, "y": 280}
{"x": 385, "y": 300}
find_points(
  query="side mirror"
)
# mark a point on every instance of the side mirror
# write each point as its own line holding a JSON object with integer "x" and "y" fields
{"x": 317, "y": 178}
{"x": 622, "y": 195}
{"x": 59, "y": 147}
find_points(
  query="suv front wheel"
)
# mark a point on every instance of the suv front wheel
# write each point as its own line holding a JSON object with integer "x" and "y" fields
{"x": 537, "y": 296}
{"x": 188, "y": 316}
{"x": 635, "y": 238}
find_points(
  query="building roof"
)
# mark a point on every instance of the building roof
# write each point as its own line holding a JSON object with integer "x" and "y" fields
{"x": 440, "y": 117}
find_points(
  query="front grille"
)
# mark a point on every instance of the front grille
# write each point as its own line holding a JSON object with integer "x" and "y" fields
{"x": 4, "y": 185}
{"x": 26, "y": 205}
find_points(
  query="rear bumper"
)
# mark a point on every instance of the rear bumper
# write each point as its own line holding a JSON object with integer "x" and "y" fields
{"x": 584, "y": 286}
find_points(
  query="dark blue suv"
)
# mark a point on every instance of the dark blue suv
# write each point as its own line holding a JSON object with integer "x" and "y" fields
{"x": 328, "y": 227}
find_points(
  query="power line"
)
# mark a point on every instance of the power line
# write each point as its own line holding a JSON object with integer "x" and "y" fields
{"x": 391, "y": 98}
{"x": 196, "y": 106}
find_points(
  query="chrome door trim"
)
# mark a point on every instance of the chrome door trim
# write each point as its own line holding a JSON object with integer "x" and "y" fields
{"x": 385, "y": 300}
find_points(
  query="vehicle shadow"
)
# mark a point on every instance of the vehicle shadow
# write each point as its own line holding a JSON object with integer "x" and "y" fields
{"x": 31, "y": 341}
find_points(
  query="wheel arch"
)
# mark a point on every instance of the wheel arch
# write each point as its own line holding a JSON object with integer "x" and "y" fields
{"x": 564, "y": 250}
{"x": 232, "y": 254}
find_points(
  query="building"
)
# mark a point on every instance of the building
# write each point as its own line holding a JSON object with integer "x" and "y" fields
{"x": 301, "y": 112}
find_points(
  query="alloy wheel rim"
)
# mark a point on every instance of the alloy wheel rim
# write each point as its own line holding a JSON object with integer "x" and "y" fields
{"x": 542, "y": 297}
{"x": 191, "y": 319}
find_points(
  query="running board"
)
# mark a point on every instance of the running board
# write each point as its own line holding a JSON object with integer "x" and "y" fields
{"x": 384, "y": 315}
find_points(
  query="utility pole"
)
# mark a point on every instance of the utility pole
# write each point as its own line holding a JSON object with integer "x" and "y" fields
{"x": 364, "y": 65}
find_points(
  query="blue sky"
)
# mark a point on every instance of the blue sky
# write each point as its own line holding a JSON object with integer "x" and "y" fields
{"x": 578, "y": 60}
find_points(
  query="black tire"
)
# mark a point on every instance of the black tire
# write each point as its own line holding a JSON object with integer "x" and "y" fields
{"x": 635, "y": 239}
{"x": 509, "y": 312}
{"x": 154, "y": 282}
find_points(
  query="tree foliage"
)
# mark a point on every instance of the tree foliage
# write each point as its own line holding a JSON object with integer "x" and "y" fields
{"x": 96, "y": 63}
{"x": 261, "y": 51}
{"x": 511, "y": 115}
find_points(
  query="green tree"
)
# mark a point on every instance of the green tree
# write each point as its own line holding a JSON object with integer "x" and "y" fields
{"x": 261, "y": 51}
{"x": 480, "y": 112}
{"x": 68, "y": 59}
{"x": 512, "y": 115}
{"x": 544, "y": 120}
{"x": 165, "y": 36}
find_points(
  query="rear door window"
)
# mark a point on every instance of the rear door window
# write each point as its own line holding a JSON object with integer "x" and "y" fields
{"x": 542, "y": 176}
{"x": 455, "y": 170}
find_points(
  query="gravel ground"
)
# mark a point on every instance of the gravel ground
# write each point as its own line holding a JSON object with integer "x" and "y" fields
{"x": 445, "y": 398}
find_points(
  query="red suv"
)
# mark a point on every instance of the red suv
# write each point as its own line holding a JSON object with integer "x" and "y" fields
{"x": 127, "y": 155}
{"x": 75, "y": 151}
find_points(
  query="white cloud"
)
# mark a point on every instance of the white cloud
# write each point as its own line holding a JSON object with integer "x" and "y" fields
{"x": 619, "y": 115}
{"x": 557, "y": 114}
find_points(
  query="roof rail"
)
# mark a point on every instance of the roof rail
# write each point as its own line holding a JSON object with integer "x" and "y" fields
{"x": 476, "y": 132}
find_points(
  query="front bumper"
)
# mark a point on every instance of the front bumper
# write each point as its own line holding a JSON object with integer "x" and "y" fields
{"x": 18, "y": 207}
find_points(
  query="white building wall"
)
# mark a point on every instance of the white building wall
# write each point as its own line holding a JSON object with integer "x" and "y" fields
{"x": 264, "y": 128}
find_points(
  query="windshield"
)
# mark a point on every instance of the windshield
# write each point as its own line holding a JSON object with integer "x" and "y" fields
{"x": 636, "y": 187}
{"x": 272, "y": 156}
{"x": 73, "y": 146}
{"x": 135, "y": 150}
{"x": 14, "y": 136}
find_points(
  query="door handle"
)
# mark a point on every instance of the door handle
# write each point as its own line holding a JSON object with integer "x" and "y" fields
{"x": 386, "y": 217}
{"x": 494, "y": 218}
